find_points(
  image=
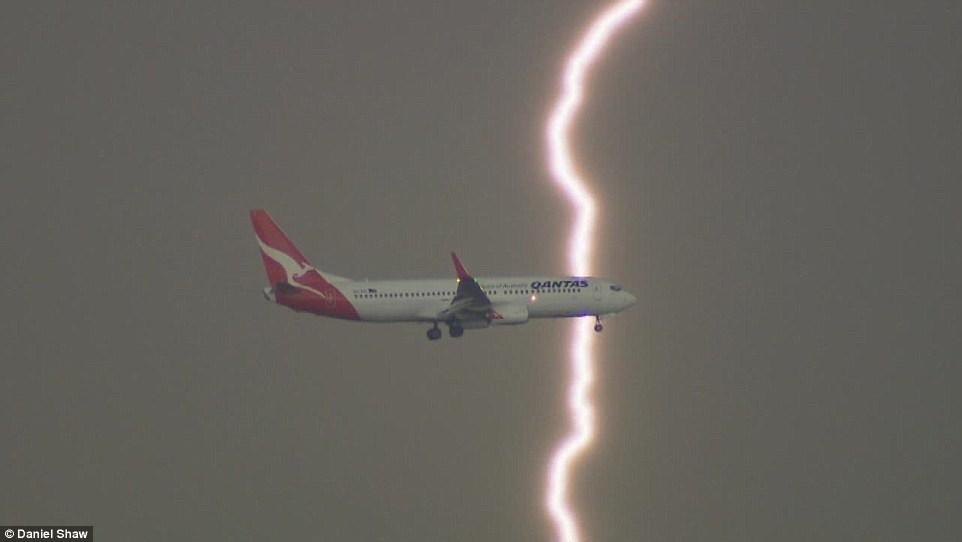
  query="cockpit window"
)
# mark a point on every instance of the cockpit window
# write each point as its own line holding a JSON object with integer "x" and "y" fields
{"x": 615, "y": 288}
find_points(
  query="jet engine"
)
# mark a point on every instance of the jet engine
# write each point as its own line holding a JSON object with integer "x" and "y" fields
{"x": 472, "y": 323}
{"x": 511, "y": 314}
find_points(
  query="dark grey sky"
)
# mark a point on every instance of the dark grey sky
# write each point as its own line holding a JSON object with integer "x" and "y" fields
{"x": 779, "y": 185}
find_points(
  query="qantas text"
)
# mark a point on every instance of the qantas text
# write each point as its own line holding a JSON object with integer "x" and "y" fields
{"x": 574, "y": 283}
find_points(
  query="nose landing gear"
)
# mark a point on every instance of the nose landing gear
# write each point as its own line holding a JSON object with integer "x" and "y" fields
{"x": 598, "y": 326}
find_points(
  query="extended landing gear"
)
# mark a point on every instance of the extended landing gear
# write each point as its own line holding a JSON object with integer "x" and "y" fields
{"x": 455, "y": 330}
{"x": 598, "y": 326}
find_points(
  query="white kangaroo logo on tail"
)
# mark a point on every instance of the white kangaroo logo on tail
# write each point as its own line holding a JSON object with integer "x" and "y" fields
{"x": 293, "y": 269}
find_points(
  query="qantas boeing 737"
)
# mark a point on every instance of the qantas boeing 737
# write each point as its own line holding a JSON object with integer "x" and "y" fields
{"x": 464, "y": 303}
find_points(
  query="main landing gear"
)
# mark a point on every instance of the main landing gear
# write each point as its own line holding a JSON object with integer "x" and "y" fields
{"x": 598, "y": 326}
{"x": 454, "y": 329}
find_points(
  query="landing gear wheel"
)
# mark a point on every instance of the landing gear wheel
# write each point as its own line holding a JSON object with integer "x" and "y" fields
{"x": 598, "y": 326}
{"x": 434, "y": 333}
{"x": 455, "y": 330}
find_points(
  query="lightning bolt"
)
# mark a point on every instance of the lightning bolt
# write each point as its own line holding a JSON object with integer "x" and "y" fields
{"x": 566, "y": 176}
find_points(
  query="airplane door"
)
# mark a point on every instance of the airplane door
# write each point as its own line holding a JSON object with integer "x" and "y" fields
{"x": 597, "y": 291}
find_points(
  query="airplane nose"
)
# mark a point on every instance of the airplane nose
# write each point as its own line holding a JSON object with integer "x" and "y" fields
{"x": 629, "y": 299}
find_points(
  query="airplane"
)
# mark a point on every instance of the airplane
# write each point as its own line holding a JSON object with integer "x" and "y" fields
{"x": 464, "y": 303}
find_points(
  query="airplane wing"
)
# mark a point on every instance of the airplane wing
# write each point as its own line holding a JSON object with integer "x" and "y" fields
{"x": 470, "y": 302}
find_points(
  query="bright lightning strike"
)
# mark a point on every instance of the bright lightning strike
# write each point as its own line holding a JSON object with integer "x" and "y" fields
{"x": 565, "y": 174}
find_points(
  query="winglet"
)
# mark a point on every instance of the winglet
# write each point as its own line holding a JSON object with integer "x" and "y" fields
{"x": 462, "y": 272}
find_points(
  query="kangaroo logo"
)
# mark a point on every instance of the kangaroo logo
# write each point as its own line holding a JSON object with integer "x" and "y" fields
{"x": 292, "y": 268}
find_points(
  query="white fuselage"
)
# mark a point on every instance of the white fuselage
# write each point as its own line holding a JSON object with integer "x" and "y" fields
{"x": 543, "y": 297}
{"x": 466, "y": 302}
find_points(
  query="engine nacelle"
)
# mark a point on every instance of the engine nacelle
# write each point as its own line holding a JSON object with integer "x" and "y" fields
{"x": 471, "y": 323}
{"x": 511, "y": 314}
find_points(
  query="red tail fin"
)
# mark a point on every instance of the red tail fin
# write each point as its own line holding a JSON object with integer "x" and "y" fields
{"x": 281, "y": 258}
{"x": 303, "y": 288}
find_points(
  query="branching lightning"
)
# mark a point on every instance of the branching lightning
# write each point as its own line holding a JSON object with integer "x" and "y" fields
{"x": 566, "y": 176}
